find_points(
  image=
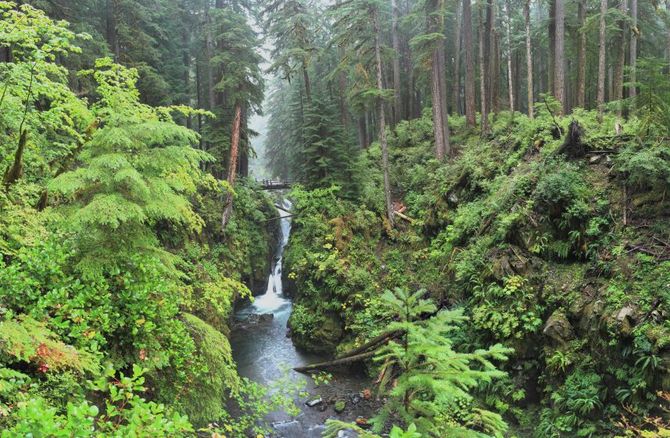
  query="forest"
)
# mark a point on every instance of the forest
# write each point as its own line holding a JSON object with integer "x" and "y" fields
{"x": 346, "y": 218}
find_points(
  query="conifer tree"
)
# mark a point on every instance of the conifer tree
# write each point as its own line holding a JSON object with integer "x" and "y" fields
{"x": 429, "y": 377}
{"x": 355, "y": 29}
{"x": 327, "y": 158}
{"x": 289, "y": 24}
{"x": 136, "y": 170}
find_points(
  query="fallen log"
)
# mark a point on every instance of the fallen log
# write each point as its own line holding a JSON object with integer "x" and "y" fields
{"x": 402, "y": 216}
{"x": 373, "y": 343}
{"x": 335, "y": 362}
{"x": 279, "y": 207}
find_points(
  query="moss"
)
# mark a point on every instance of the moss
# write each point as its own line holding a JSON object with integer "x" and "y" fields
{"x": 204, "y": 397}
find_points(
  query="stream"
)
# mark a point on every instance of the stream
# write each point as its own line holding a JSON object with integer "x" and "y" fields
{"x": 265, "y": 354}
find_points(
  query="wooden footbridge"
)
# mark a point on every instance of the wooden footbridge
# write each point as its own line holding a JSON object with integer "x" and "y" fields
{"x": 269, "y": 184}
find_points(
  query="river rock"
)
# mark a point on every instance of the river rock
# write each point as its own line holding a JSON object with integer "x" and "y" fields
{"x": 256, "y": 318}
{"x": 340, "y": 405}
{"x": 558, "y": 327}
{"x": 314, "y": 402}
{"x": 288, "y": 428}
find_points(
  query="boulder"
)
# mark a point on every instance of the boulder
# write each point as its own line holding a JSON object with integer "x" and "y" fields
{"x": 558, "y": 327}
{"x": 321, "y": 339}
{"x": 625, "y": 318}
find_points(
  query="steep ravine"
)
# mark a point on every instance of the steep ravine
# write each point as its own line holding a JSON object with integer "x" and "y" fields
{"x": 265, "y": 354}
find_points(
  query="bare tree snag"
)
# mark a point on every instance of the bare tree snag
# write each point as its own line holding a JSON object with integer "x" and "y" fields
{"x": 232, "y": 166}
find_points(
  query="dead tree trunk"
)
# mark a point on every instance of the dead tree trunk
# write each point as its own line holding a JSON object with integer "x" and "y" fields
{"x": 232, "y": 166}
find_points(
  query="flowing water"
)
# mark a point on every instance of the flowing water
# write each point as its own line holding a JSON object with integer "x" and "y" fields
{"x": 264, "y": 353}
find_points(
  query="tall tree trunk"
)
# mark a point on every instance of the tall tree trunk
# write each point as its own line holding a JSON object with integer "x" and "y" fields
{"x": 483, "y": 88}
{"x": 600, "y": 98}
{"x": 382, "y": 121}
{"x": 112, "y": 30}
{"x": 470, "y": 107}
{"x": 397, "y": 96}
{"x": 559, "y": 52}
{"x": 232, "y": 166}
{"x": 411, "y": 93}
{"x": 442, "y": 58}
{"x": 581, "y": 55}
{"x": 186, "y": 77}
{"x": 362, "y": 132}
{"x": 456, "y": 80}
{"x": 342, "y": 85}
{"x": 308, "y": 84}
{"x": 243, "y": 161}
{"x": 617, "y": 85}
{"x": 209, "y": 53}
{"x": 438, "y": 83}
{"x": 552, "y": 47}
{"x": 633, "y": 47}
{"x": 438, "y": 109}
{"x": 492, "y": 56}
{"x": 508, "y": 37}
{"x": 529, "y": 58}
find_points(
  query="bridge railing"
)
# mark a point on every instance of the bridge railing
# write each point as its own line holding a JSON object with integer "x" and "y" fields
{"x": 269, "y": 184}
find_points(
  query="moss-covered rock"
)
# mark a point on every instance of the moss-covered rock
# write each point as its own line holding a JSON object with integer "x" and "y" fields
{"x": 319, "y": 332}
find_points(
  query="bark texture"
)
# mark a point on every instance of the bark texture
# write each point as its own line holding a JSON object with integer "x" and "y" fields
{"x": 529, "y": 58}
{"x": 600, "y": 98}
{"x": 581, "y": 55}
{"x": 483, "y": 88}
{"x": 470, "y": 106}
{"x": 232, "y": 166}
{"x": 559, "y": 53}
{"x": 382, "y": 123}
